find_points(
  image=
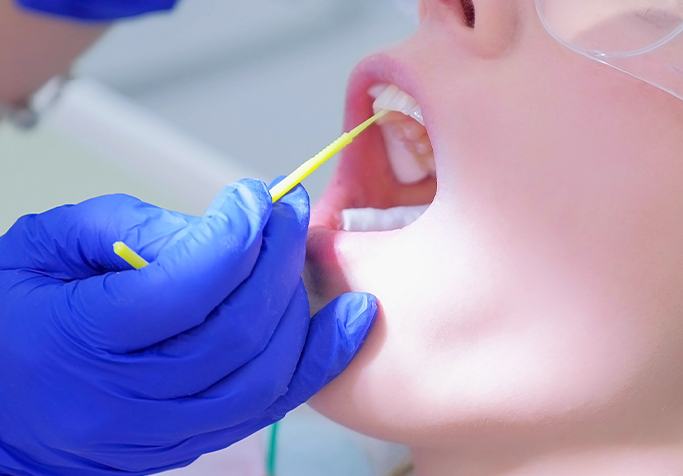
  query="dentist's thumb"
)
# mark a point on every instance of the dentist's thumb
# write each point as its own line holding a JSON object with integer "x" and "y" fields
{"x": 336, "y": 335}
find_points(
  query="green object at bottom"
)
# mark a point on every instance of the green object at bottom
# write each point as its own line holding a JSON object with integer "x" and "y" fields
{"x": 271, "y": 456}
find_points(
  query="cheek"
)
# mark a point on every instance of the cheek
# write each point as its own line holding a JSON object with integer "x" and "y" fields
{"x": 548, "y": 280}
{"x": 485, "y": 336}
{"x": 588, "y": 209}
{"x": 584, "y": 176}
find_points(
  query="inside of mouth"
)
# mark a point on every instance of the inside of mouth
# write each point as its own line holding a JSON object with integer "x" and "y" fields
{"x": 408, "y": 184}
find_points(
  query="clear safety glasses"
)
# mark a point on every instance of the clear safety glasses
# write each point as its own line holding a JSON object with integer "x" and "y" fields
{"x": 643, "y": 38}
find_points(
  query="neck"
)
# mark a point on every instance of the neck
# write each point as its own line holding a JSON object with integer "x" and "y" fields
{"x": 601, "y": 461}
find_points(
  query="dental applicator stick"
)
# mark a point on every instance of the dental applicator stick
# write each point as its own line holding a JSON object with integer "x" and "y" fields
{"x": 315, "y": 162}
{"x": 136, "y": 261}
{"x": 124, "y": 252}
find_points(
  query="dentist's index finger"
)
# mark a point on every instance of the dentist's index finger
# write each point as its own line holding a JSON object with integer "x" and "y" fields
{"x": 336, "y": 335}
{"x": 131, "y": 310}
{"x": 75, "y": 241}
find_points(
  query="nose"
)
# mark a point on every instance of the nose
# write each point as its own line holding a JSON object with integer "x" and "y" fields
{"x": 486, "y": 27}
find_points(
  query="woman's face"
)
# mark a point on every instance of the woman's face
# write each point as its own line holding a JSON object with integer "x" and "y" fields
{"x": 543, "y": 288}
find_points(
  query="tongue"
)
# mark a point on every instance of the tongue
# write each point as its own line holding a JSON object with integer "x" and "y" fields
{"x": 374, "y": 219}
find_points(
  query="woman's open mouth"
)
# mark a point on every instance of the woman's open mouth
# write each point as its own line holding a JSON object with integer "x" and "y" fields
{"x": 385, "y": 183}
{"x": 408, "y": 150}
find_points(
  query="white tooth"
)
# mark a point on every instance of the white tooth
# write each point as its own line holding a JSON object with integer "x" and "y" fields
{"x": 391, "y": 98}
{"x": 374, "y": 219}
{"x": 403, "y": 102}
{"x": 417, "y": 115}
{"x": 377, "y": 90}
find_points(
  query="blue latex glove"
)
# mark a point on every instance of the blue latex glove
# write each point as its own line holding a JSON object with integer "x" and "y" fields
{"x": 107, "y": 370}
{"x": 97, "y": 10}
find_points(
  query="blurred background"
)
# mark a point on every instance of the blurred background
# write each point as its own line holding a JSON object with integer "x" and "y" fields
{"x": 258, "y": 84}
{"x": 171, "y": 107}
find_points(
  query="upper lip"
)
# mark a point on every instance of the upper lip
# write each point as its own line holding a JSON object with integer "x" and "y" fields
{"x": 377, "y": 69}
{"x": 370, "y": 175}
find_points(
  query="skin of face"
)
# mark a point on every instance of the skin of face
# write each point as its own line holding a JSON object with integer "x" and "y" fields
{"x": 537, "y": 304}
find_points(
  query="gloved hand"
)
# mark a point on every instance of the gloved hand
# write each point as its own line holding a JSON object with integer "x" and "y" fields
{"x": 97, "y": 10}
{"x": 107, "y": 370}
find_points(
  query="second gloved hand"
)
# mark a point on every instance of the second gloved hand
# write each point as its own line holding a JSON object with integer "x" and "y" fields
{"x": 107, "y": 370}
{"x": 97, "y": 10}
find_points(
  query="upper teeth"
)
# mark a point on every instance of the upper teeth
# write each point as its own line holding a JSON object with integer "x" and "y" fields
{"x": 409, "y": 149}
{"x": 391, "y": 98}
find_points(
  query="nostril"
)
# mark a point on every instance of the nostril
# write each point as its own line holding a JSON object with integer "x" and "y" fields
{"x": 468, "y": 8}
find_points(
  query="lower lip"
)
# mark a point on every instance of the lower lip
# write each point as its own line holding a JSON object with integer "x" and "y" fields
{"x": 333, "y": 255}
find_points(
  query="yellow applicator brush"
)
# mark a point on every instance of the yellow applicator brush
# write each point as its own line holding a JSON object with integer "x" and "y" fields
{"x": 302, "y": 172}
{"x": 315, "y": 162}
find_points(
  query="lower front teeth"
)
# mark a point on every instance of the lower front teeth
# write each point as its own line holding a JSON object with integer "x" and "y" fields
{"x": 374, "y": 219}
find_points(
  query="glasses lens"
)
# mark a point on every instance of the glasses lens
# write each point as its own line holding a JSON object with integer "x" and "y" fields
{"x": 613, "y": 27}
{"x": 643, "y": 38}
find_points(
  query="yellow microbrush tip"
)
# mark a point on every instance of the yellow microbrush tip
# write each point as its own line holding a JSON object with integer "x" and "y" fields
{"x": 124, "y": 252}
{"x": 315, "y": 162}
